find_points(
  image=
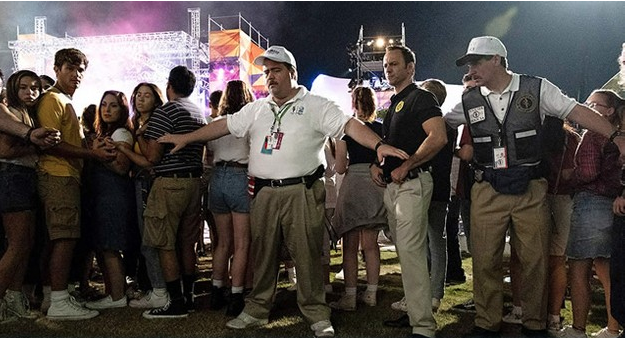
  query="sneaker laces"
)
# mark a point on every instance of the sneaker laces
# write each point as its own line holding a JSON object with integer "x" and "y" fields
{"x": 162, "y": 309}
{"x": 76, "y": 305}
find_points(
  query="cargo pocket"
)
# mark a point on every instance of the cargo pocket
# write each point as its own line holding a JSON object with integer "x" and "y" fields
{"x": 63, "y": 218}
{"x": 155, "y": 223}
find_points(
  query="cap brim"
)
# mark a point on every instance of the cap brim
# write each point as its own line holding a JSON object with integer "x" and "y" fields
{"x": 462, "y": 61}
{"x": 259, "y": 60}
{"x": 468, "y": 58}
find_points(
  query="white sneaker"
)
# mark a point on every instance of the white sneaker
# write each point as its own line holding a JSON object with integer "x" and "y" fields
{"x": 69, "y": 309}
{"x": 368, "y": 298}
{"x": 346, "y": 303}
{"x": 435, "y": 304}
{"x": 107, "y": 302}
{"x": 554, "y": 326}
{"x": 570, "y": 332}
{"x": 399, "y": 305}
{"x": 18, "y": 305}
{"x": 605, "y": 333}
{"x": 150, "y": 300}
{"x": 339, "y": 276}
{"x": 513, "y": 317}
{"x": 244, "y": 320}
{"x": 323, "y": 329}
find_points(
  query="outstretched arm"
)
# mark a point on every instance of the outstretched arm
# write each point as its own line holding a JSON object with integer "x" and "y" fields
{"x": 42, "y": 137}
{"x": 366, "y": 137}
{"x": 211, "y": 131}
{"x": 591, "y": 120}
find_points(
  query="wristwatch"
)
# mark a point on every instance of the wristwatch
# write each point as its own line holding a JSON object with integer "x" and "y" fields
{"x": 616, "y": 134}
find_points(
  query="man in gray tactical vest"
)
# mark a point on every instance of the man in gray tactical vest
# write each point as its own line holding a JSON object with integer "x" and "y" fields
{"x": 505, "y": 112}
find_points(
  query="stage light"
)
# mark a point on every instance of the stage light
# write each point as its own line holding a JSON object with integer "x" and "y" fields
{"x": 391, "y": 41}
{"x": 380, "y": 42}
{"x": 369, "y": 43}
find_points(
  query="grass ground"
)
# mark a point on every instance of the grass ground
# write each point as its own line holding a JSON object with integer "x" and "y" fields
{"x": 285, "y": 320}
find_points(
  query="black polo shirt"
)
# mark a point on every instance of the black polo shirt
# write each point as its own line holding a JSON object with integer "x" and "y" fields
{"x": 402, "y": 126}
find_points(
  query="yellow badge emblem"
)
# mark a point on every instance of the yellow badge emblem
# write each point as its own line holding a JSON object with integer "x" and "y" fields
{"x": 399, "y": 106}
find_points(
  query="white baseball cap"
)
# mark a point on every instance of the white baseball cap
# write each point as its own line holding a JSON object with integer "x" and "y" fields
{"x": 482, "y": 45}
{"x": 278, "y": 54}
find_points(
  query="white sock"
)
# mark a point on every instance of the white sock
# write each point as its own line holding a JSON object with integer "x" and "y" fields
{"x": 372, "y": 288}
{"x": 59, "y": 295}
{"x": 350, "y": 290}
{"x": 238, "y": 289}
{"x": 159, "y": 292}
{"x": 218, "y": 283}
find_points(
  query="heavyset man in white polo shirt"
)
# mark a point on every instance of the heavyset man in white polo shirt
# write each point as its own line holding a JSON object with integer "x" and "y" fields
{"x": 505, "y": 113}
{"x": 287, "y": 131}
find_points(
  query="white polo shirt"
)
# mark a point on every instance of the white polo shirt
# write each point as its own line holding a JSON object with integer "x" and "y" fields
{"x": 552, "y": 102}
{"x": 305, "y": 126}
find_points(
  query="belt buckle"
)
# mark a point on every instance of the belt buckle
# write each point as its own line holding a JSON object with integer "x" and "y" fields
{"x": 276, "y": 183}
{"x": 479, "y": 175}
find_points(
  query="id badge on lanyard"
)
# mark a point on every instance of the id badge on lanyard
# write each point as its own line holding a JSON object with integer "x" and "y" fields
{"x": 274, "y": 139}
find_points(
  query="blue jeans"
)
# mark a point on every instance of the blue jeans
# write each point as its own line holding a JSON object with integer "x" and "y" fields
{"x": 150, "y": 254}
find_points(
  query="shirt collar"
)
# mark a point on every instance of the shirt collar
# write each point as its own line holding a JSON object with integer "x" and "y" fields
{"x": 302, "y": 91}
{"x": 512, "y": 87}
{"x": 408, "y": 89}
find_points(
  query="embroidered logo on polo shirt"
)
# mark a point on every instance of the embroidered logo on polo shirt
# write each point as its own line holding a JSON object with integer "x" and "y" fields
{"x": 399, "y": 106}
{"x": 298, "y": 110}
{"x": 527, "y": 103}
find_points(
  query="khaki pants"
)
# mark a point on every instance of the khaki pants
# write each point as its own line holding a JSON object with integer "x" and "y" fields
{"x": 172, "y": 214}
{"x": 528, "y": 215}
{"x": 293, "y": 215}
{"x": 407, "y": 211}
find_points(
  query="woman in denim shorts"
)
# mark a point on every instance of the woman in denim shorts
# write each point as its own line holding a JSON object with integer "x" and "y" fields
{"x": 18, "y": 196}
{"x": 597, "y": 176}
{"x": 230, "y": 204}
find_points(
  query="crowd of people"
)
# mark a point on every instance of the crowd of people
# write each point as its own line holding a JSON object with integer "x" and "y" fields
{"x": 130, "y": 184}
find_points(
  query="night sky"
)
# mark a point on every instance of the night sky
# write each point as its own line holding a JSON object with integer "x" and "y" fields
{"x": 573, "y": 44}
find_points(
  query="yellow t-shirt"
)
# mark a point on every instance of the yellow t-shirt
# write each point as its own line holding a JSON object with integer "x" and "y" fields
{"x": 56, "y": 110}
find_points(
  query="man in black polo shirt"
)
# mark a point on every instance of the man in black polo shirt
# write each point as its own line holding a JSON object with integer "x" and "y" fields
{"x": 172, "y": 215}
{"x": 414, "y": 125}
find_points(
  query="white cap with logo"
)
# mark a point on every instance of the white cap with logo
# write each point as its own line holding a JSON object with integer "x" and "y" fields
{"x": 278, "y": 54}
{"x": 483, "y": 45}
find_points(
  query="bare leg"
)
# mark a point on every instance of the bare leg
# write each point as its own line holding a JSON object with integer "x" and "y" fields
{"x": 115, "y": 273}
{"x": 369, "y": 243}
{"x": 241, "y": 228}
{"x": 602, "y": 270}
{"x": 557, "y": 284}
{"x": 579, "y": 274}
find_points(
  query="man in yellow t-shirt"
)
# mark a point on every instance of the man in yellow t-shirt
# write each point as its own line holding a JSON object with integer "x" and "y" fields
{"x": 59, "y": 180}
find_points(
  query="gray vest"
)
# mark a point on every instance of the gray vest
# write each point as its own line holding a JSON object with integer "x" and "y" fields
{"x": 520, "y": 131}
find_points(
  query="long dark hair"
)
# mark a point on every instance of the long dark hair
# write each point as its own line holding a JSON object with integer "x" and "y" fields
{"x": 236, "y": 95}
{"x": 104, "y": 129}
{"x": 13, "y": 88}
{"x": 159, "y": 100}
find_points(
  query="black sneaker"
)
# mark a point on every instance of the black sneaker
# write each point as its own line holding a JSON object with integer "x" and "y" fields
{"x": 467, "y": 306}
{"x": 218, "y": 298}
{"x": 173, "y": 309}
{"x": 236, "y": 305}
{"x": 189, "y": 303}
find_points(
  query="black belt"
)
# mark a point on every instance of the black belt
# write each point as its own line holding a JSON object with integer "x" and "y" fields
{"x": 279, "y": 182}
{"x": 230, "y": 164}
{"x": 180, "y": 175}
{"x": 412, "y": 174}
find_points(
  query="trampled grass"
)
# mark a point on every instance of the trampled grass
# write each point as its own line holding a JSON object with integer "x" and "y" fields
{"x": 286, "y": 320}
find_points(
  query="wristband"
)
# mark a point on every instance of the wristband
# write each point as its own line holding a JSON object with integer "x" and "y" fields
{"x": 615, "y": 134}
{"x": 378, "y": 144}
{"x": 28, "y": 134}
